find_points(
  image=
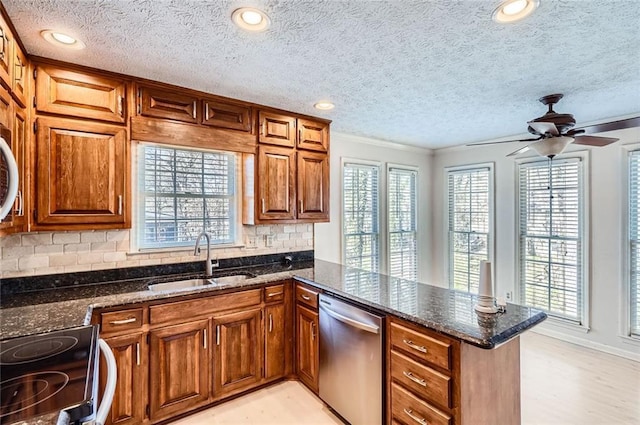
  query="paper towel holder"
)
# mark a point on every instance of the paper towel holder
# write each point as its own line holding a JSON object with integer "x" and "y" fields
{"x": 486, "y": 301}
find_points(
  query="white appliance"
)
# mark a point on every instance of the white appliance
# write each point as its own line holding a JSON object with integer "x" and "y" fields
{"x": 8, "y": 173}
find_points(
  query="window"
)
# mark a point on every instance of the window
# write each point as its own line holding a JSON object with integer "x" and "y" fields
{"x": 401, "y": 216}
{"x": 634, "y": 241}
{"x": 361, "y": 242}
{"x": 470, "y": 199}
{"x": 551, "y": 237}
{"x": 183, "y": 192}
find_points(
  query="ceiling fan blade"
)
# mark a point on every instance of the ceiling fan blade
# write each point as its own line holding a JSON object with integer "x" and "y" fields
{"x": 544, "y": 127}
{"x": 611, "y": 126}
{"x": 519, "y": 151}
{"x": 594, "y": 140}
{"x": 504, "y": 141}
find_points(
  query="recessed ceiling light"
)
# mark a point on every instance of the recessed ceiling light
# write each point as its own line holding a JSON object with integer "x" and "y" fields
{"x": 61, "y": 39}
{"x": 514, "y": 10}
{"x": 324, "y": 106}
{"x": 251, "y": 19}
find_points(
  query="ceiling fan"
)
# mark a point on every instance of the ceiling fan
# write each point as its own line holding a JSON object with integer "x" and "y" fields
{"x": 555, "y": 131}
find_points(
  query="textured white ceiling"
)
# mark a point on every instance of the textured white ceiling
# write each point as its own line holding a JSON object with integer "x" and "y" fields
{"x": 428, "y": 73}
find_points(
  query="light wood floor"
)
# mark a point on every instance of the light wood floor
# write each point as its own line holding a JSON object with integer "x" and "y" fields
{"x": 562, "y": 384}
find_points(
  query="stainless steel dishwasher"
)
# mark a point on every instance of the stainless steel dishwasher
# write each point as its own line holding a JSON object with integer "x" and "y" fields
{"x": 350, "y": 379}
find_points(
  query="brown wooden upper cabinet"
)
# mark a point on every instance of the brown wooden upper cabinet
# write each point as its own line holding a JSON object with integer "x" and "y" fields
{"x": 277, "y": 129}
{"x": 276, "y": 190}
{"x": 20, "y": 75}
{"x": 80, "y": 94}
{"x": 81, "y": 173}
{"x": 229, "y": 115}
{"x": 313, "y": 135}
{"x": 6, "y": 54}
{"x": 313, "y": 186}
{"x": 172, "y": 105}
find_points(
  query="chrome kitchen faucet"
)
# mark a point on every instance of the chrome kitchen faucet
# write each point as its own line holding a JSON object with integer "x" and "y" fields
{"x": 208, "y": 266}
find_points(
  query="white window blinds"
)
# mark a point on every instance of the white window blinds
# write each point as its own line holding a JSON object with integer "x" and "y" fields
{"x": 551, "y": 237}
{"x": 401, "y": 216}
{"x": 634, "y": 241}
{"x": 183, "y": 192}
{"x": 361, "y": 241}
{"x": 469, "y": 206}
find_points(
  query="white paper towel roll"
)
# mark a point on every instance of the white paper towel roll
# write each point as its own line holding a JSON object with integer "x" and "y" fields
{"x": 486, "y": 286}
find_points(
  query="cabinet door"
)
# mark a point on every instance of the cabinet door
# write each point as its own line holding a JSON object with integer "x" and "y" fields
{"x": 78, "y": 94}
{"x": 313, "y": 135}
{"x": 19, "y": 148}
{"x": 19, "y": 80}
{"x": 275, "y": 341}
{"x": 234, "y": 116}
{"x": 276, "y": 177}
{"x": 130, "y": 398}
{"x": 307, "y": 346}
{"x": 82, "y": 170}
{"x": 238, "y": 351}
{"x": 276, "y": 129}
{"x": 178, "y": 368}
{"x": 160, "y": 103}
{"x": 6, "y": 54}
{"x": 313, "y": 186}
{"x": 6, "y": 118}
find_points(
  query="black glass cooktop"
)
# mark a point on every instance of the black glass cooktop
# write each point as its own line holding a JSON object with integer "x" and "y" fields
{"x": 49, "y": 372}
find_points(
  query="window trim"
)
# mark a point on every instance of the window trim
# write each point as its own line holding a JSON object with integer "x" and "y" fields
{"x": 492, "y": 215}
{"x": 381, "y": 207}
{"x": 417, "y": 225}
{"x": 585, "y": 238}
{"x": 624, "y": 327}
{"x": 135, "y": 248}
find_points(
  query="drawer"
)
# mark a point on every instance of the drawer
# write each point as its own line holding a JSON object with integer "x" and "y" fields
{"x": 409, "y": 409}
{"x": 274, "y": 293}
{"x": 123, "y": 320}
{"x": 306, "y": 296}
{"x": 422, "y": 380}
{"x": 422, "y": 346}
{"x": 176, "y": 312}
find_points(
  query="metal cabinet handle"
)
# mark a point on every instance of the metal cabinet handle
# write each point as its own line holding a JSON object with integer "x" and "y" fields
{"x": 2, "y": 53}
{"x": 218, "y": 335}
{"x": 301, "y": 207}
{"x": 121, "y": 105}
{"x": 414, "y": 378}
{"x": 206, "y": 111}
{"x": 119, "y": 204}
{"x": 204, "y": 338}
{"x": 410, "y": 343}
{"x": 138, "y": 353}
{"x": 123, "y": 321}
{"x": 263, "y": 209}
{"x": 421, "y": 421}
{"x": 305, "y": 297}
{"x": 273, "y": 294}
{"x": 270, "y": 323}
{"x": 300, "y": 135}
{"x": 20, "y": 208}
{"x": 195, "y": 105}
{"x": 313, "y": 331}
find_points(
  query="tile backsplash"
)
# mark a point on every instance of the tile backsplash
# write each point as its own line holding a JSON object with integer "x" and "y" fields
{"x": 28, "y": 254}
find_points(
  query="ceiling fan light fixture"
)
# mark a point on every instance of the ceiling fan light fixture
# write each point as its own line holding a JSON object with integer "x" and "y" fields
{"x": 511, "y": 11}
{"x": 61, "y": 39}
{"x": 552, "y": 146}
{"x": 251, "y": 19}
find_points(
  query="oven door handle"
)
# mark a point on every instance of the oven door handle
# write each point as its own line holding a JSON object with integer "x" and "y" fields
{"x": 110, "y": 388}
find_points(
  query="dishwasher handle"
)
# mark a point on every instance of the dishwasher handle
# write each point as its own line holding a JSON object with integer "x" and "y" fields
{"x": 351, "y": 322}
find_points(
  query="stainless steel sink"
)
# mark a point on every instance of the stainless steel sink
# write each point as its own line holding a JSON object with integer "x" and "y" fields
{"x": 180, "y": 284}
{"x": 236, "y": 278}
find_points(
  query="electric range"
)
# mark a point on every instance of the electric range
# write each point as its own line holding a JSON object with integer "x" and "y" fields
{"x": 45, "y": 373}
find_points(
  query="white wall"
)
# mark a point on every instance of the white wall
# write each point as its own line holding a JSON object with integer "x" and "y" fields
{"x": 607, "y": 235}
{"x": 327, "y": 236}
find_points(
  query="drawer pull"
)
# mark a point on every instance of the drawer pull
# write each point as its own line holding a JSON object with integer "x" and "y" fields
{"x": 414, "y": 378}
{"x": 273, "y": 294}
{"x": 409, "y": 412}
{"x": 138, "y": 353}
{"x": 410, "y": 343}
{"x": 123, "y": 321}
{"x": 195, "y": 105}
{"x": 270, "y": 323}
{"x": 305, "y": 297}
{"x": 218, "y": 335}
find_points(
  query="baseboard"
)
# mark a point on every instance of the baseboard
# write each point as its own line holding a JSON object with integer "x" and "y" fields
{"x": 588, "y": 344}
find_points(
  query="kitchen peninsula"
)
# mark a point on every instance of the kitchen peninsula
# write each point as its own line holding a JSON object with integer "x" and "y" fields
{"x": 444, "y": 362}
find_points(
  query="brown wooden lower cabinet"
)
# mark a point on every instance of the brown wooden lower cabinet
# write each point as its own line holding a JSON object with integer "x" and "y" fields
{"x": 238, "y": 355}
{"x": 275, "y": 347}
{"x": 179, "y": 368}
{"x": 307, "y": 346}
{"x": 129, "y": 401}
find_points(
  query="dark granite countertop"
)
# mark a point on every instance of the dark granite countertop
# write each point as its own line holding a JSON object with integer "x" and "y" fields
{"x": 448, "y": 312}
